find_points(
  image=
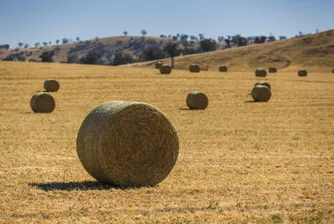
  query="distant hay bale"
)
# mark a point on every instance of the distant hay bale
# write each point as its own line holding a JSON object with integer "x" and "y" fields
{"x": 194, "y": 68}
{"x": 260, "y": 72}
{"x": 333, "y": 70}
{"x": 261, "y": 93}
{"x": 51, "y": 85}
{"x": 222, "y": 68}
{"x": 165, "y": 69}
{"x": 263, "y": 84}
{"x": 302, "y": 72}
{"x": 272, "y": 70}
{"x": 197, "y": 100}
{"x": 42, "y": 103}
{"x": 127, "y": 144}
{"x": 158, "y": 64}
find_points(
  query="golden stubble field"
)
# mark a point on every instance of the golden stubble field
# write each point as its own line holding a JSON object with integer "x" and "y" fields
{"x": 239, "y": 161}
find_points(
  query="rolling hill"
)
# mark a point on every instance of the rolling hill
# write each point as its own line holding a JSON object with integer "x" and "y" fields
{"x": 312, "y": 52}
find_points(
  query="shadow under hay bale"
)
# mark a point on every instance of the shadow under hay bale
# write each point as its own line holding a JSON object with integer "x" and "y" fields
{"x": 260, "y": 72}
{"x": 128, "y": 144}
{"x": 197, "y": 100}
{"x": 194, "y": 68}
{"x": 51, "y": 85}
{"x": 42, "y": 102}
{"x": 73, "y": 186}
{"x": 302, "y": 73}
{"x": 272, "y": 70}
{"x": 261, "y": 93}
{"x": 263, "y": 84}
{"x": 223, "y": 69}
{"x": 165, "y": 69}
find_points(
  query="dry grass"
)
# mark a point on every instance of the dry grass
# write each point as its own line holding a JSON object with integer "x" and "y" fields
{"x": 239, "y": 161}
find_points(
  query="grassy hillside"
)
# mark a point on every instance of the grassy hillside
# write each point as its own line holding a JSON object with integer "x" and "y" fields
{"x": 312, "y": 52}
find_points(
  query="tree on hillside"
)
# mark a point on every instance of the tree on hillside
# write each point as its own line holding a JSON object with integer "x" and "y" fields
{"x": 172, "y": 50}
{"x": 77, "y": 39}
{"x": 50, "y": 42}
{"x": 20, "y": 44}
{"x": 26, "y": 45}
{"x": 271, "y": 38}
{"x": 45, "y": 44}
{"x": 143, "y": 32}
{"x": 163, "y": 35}
{"x": 122, "y": 58}
{"x": 125, "y": 33}
{"x": 152, "y": 53}
{"x": 282, "y": 37}
{"x": 187, "y": 51}
{"x": 92, "y": 58}
{"x": 57, "y": 41}
{"x": 184, "y": 37}
{"x": 4, "y": 46}
{"x": 46, "y": 56}
{"x": 193, "y": 38}
{"x": 65, "y": 41}
{"x": 239, "y": 40}
{"x": 201, "y": 36}
{"x": 208, "y": 45}
{"x": 37, "y": 44}
{"x": 220, "y": 39}
{"x": 260, "y": 39}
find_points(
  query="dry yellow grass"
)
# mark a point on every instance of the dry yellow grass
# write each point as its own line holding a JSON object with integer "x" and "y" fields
{"x": 239, "y": 161}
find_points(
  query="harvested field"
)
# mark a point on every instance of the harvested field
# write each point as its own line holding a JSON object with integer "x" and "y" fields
{"x": 239, "y": 160}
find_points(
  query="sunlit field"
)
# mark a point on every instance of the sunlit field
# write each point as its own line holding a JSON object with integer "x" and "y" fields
{"x": 239, "y": 160}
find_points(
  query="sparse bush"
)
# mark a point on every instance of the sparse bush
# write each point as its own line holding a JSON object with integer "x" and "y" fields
{"x": 15, "y": 57}
{"x": 208, "y": 45}
{"x": 122, "y": 58}
{"x": 152, "y": 53}
{"x": 92, "y": 58}
{"x": 46, "y": 56}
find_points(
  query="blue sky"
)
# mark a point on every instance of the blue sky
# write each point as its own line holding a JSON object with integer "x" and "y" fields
{"x": 38, "y": 21}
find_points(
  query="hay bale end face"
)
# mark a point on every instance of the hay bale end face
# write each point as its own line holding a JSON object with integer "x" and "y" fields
{"x": 128, "y": 144}
{"x": 260, "y": 72}
{"x": 51, "y": 85}
{"x": 261, "y": 93}
{"x": 165, "y": 69}
{"x": 197, "y": 100}
{"x": 302, "y": 73}
{"x": 272, "y": 70}
{"x": 263, "y": 84}
{"x": 42, "y": 103}
{"x": 223, "y": 69}
{"x": 158, "y": 64}
{"x": 194, "y": 68}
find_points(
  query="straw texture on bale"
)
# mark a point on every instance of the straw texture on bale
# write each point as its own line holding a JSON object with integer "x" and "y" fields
{"x": 302, "y": 73}
{"x": 42, "y": 103}
{"x": 272, "y": 70}
{"x": 128, "y": 144}
{"x": 263, "y": 84}
{"x": 197, "y": 100}
{"x": 165, "y": 69}
{"x": 158, "y": 64}
{"x": 223, "y": 69}
{"x": 260, "y": 72}
{"x": 51, "y": 85}
{"x": 194, "y": 68}
{"x": 261, "y": 93}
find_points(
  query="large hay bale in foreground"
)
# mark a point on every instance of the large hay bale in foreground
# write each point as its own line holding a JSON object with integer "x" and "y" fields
{"x": 260, "y": 72}
{"x": 158, "y": 64}
{"x": 222, "y": 68}
{"x": 165, "y": 69}
{"x": 42, "y": 103}
{"x": 128, "y": 144}
{"x": 302, "y": 72}
{"x": 263, "y": 84}
{"x": 194, "y": 68}
{"x": 272, "y": 70}
{"x": 51, "y": 85}
{"x": 261, "y": 93}
{"x": 197, "y": 100}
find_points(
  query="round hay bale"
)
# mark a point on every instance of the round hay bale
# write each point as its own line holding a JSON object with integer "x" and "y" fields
{"x": 197, "y": 100}
{"x": 261, "y": 93}
{"x": 165, "y": 69}
{"x": 260, "y": 72}
{"x": 158, "y": 64}
{"x": 222, "y": 68}
{"x": 42, "y": 103}
{"x": 194, "y": 68}
{"x": 272, "y": 70}
{"x": 263, "y": 84}
{"x": 128, "y": 144}
{"x": 51, "y": 85}
{"x": 302, "y": 72}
